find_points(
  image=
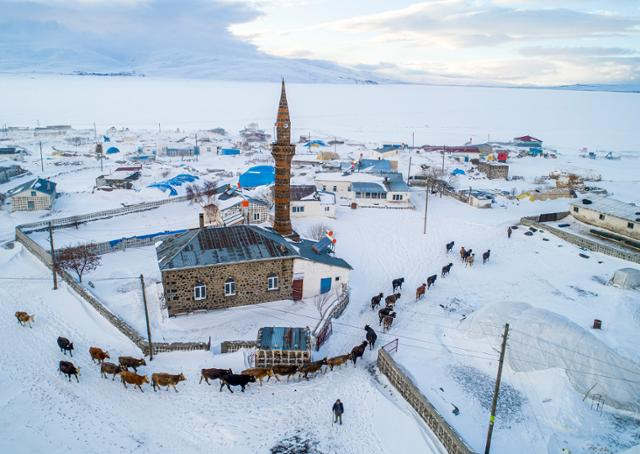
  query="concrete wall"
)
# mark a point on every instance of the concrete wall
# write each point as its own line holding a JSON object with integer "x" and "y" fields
{"x": 314, "y": 271}
{"x": 250, "y": 278}
{"x": 581, "y": 241}
{"x": 610, "y": 222}
{"x": 450, "y": 439}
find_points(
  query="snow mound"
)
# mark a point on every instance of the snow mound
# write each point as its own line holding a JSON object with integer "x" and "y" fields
{"x": 540, "y": 339}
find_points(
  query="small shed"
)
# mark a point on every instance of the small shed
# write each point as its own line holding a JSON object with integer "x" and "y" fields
{"x": 283, "y": 346}
{"x": 626, "y": 278}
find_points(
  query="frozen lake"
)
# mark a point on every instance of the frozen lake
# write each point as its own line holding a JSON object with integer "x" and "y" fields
{"x": 567, "y": 120}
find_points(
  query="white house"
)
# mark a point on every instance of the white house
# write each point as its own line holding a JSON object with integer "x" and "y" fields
{"x": 317, "y": 270}
{"x": 609, "y": 214}
{"x": 38, "y": 194}
{"x": 307, "y": 201}
{"x": 386, "y": 189}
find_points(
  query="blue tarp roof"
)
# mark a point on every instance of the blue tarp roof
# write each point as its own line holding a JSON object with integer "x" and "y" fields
{"x": 257, "y": 176}
{"x": 164, "y": 187}
{"x": 283, "y": 338}
{"x": 315, "y": 142}
{"x": 229, "y": 151}
{"x": 458, "y": 172}
{"x": 113, "y": 150}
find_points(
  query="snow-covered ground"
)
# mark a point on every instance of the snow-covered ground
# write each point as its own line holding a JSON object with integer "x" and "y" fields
{"x": 448, "y": 342}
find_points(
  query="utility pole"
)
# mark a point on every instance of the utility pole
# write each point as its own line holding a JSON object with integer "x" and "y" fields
{"x": 95, "y": 131}
{"x": 159, "y": 127}
{"x": 426, "y": 205}
{"x": 494, "y": 403}
{"x": 146, "y": 316}
{"x": 444, "y": 149}
{"x": 53, "y": 257}
{"x": 41, "y": 161}
{"x": 409, "y": 170}
{"x": 413, "y": 139}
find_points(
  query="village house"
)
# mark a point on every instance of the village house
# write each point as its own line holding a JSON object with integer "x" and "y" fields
{"x": 494, "y": 170}
{"x": 234, "y": 207}
{"x": 609, "y": 214}
{"x": 527, "y": 141}
{"x": 9, "y": 172}
{"x": 384, "y": 189}
{"x": 307, "y": 201}
{"x": 38, "y": 194}
{"x": 180, "y": 152}
{"x": 217, "y": 267}
{"x": 385, "y": 151}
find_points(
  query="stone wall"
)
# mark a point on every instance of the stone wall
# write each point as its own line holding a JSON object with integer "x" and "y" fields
{"x": 580, "y": 241}
{"x": 250, "y": 278}
{"x": 234, "y": 346}
{"x": 494, "y": 170}
{"x": 450, "y": 439}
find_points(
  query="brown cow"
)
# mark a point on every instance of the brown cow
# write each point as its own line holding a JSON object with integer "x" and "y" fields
{"x": 392, "y": 299}
{"x": 357, "y": 352}
{"x": 463, "y": 253}
{"x": 283, "y": 370}
{"x": 24, "y": 318}
{"x": 259, "y": 373}
{"x": 160, "y": 379}
{"x": 469, "y": 260}
{"x": 313, "y": 367}
{"x": 97, "y": 354}
{"x": 388, "y": 321}
{"x": 128, "y": 361}
{"x": 110, "y": 368}
{"x": 338, "y": 360}
{"x": 213, "y": 374}
{"x": 420, "y": 291}
{"x": 133, "y": 379}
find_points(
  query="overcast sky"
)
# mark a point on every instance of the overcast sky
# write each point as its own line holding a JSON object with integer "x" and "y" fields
{"x": 542, "y": 42}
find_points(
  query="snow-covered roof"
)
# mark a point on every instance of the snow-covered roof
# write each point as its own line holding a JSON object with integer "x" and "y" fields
{"x": 613, "y": 207}
{"x": 39, "y": 184}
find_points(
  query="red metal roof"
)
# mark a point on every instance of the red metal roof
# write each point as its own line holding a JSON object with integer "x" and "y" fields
{"x": 527, "y": 139}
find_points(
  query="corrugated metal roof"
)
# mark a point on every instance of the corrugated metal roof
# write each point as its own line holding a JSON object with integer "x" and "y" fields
{"x": 368, "y": 187}
{"x": 221, "y": 246}
{"x": 305, "y": 249}
{"x": 299, "y": 192}
{"x": 39, "y": 184}
{"x": 613, "y": 207}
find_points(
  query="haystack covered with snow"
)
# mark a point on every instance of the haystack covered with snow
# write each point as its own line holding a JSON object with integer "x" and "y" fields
{"x": 540, "y": 340}
{"x": 626, "y": 278}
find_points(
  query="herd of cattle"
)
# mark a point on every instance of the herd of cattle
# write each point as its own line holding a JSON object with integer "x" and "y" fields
{"x": 226, "y": 376}
{"x": 387, "y": 314}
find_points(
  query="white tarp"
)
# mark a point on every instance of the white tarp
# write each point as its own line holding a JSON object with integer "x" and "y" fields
{"x": 626, "y": 278}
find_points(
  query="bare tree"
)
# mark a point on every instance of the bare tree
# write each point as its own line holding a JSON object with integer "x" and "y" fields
{"x": 79, "y": 259}
{"x": 203, "y": 194}
{"x": 317, "y": 231}
{"x": 321, "y": 302}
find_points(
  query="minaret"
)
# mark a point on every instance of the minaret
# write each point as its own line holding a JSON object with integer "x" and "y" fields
{"x": 282, "y": 151}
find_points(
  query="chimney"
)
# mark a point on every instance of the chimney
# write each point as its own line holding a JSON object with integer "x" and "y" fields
{"x": 201, "y": 219}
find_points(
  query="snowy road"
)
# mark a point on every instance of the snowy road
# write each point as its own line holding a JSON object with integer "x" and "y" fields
{"x": 41, "y": 411}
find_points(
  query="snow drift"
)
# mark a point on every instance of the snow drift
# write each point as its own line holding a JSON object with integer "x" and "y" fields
{"x": 539, "y": 340}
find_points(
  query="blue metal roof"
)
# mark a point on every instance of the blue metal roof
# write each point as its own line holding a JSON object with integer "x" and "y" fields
{"x": 305, "y": 249}
{"x": 39, "y": 184}
{"x": 283, "y": 338}
{"x": 395, "y": 182}
{"x": 368, "y": 187}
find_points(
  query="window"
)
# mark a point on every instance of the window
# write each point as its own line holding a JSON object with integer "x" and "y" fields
{"x": 358, "y": 195}
{"x": 33, "y": 193}
{"x": 324, "y": 187}
{"x": 297, "y": 209}
{"x": 326, "y": 208}
{"x": 576, "y": 209}
{"x": 230, "y": 287}
{"x": 337, "y": 278}
{"x": 199, "y": 292}
{"x": 335, "y": 188}
{"x": 256, "y": 216}
{"x": 397, "y": 196}
{"x": 601, "y": 217}
{"x": 349, "y": 188}
{"x": 272, "y": 282}
{"x": 629, "y": 225}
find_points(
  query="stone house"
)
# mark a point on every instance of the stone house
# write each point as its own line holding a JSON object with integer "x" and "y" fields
{"x": 218, "y": 267}
{"x": 609, "y": 214}
{"x": 494, "y": 170}
{"x": 38, "y": 194}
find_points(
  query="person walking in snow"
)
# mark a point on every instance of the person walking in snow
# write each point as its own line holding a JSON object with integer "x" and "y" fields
{"x": 509, "y": 232}
{"x": 338, "y": 409}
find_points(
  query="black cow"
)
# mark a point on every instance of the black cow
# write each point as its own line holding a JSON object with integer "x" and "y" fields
{"x": 485, "y": 256}
{"x": 375, "y": 301}
{"x": 382, "y": 313}
{"x": 357, "y": 352}
{"x": 397, "y": 284}
{"x": 65, "y": 345}
{"x": 466, "y": 255}
{"x": 236, "y": 380}
{"x": 445, "y": 270}
{"x": 213, "y": 374}
{"x": 450, "y": 246}
{"x": 67, "y": 368}
{"x": 431, "y": 280}
{"x": 371, "y": 336}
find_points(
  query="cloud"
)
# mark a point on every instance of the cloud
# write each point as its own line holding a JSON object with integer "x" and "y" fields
{"x": 573, "y": 52}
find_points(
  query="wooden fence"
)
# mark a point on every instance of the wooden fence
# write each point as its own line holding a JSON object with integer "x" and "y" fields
{"x": 450, "y": 439}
